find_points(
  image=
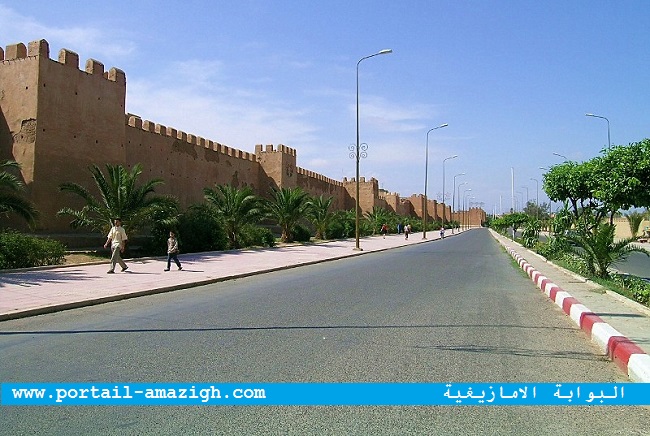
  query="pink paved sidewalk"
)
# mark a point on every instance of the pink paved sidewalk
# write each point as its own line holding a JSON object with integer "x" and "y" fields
{"x": 43, "y": 290}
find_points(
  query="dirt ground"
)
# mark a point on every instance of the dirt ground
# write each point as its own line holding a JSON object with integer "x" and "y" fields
{"x": 77, "y": 258}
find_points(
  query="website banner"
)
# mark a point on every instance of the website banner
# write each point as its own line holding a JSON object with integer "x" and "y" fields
{"x": 325, "y": 394}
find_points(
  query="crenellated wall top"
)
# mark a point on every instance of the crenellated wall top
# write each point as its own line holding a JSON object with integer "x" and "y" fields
{"x": 149, "y": 126}
{"x": 317, "y": 176}
{"x": 41, "y": 48}
{"x": 270, "y": 148}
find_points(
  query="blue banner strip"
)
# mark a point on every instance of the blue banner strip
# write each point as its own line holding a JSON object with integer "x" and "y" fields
{"x": 325, "y": 394}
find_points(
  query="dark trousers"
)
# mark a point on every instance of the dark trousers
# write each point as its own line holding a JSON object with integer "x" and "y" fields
{"x": 174, "y": 257}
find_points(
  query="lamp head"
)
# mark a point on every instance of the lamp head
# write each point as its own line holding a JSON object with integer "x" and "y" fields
{"x": 385, "y": 51}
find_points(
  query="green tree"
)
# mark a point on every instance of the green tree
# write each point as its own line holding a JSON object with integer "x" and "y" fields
{"x": 236, "y": 208}
{"x": 342, "y": 224}
{"x": 320, "y": 215}
{"x": 619, "y": 179}
{"x": 599, "y": 251}
{"x": 537, "y": 211}
{"x": 623, "y": 173}
{"x": 576, "y": 184}
{"x": 120, "y": 196}
{"x": 634, "y": 219}
{"x": 200, "y": 229}
{"x": 10, "y": 199}
{"x": 287, "y": 207}
{"x": 530, "y": 235}
{"x": 377, "y": 217}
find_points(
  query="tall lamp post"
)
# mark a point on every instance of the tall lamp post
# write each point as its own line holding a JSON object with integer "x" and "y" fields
{"x": 560, "y": 155}
{"x": 358, "y": 151}
{"x": 425, "y": 209}
{"x": 459, "y": 203}
{"x": 465, "y": 195}
{"x": 453, "y": 197}
{"x": 609, "y": 142}
{"x": 444, "y": 205}
{"x": 536, "y": 196}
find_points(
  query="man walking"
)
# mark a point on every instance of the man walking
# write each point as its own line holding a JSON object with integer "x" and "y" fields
{"x": 117, "y": 239}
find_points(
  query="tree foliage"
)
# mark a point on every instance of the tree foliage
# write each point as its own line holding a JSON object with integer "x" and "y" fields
{"x": 288, "y": 207}
{"x": 599, "y": 187}
{"x": 235, "y": 208}
{"x": 121, "y": 196}
{"x": 377, "y": 217}
{"x": 320, "y": 215}
{"x": 11, "y": 200}
{"x": 599, "y": 250}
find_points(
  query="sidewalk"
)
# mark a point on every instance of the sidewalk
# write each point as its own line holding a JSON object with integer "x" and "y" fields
{"x": 36, "y": 291}
{"x": 619, "y": 326}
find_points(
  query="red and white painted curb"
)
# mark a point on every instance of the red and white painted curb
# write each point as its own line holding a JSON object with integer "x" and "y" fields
{"x": 624, "y": 352}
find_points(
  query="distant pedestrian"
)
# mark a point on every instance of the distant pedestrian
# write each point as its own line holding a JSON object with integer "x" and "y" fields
{"x": 399, "y": 228}
{"x": 384, "y": 230}
{"x": 442, "y": 233}
{"x": 172, "y": 251}
{"x": 407, "y": 230}
{"x": 116, "y": 238}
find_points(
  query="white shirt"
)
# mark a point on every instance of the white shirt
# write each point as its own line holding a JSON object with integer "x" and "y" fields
{"x": 117, "y": 235}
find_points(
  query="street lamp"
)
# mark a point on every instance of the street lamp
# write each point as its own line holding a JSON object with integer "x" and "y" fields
{"x": 444, "y": 205}
{"x": 426, "y": 169}
{"x": 453, "y": 197}
{"x": 459, "y": 203}
{"x": 464, "y": 195}
{"x": 609, "y": 142}
{"x": 467, "y": 205}
{"x": 526, "y": 188}
{"x": 357, "y": 155}
{"x": 536, "y": 196}
{"x": 561, "y": 155}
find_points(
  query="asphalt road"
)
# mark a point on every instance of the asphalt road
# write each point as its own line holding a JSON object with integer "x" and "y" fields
{"x": 446, "y": 311}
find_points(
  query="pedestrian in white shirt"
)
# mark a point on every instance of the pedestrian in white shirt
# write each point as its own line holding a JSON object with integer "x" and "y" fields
{"x": 116, "y": 238}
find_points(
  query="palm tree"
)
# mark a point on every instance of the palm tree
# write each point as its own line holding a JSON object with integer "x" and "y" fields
{"x": 119, "y": 197}
{"x": 377, "y": 217}
{"x": 319, "y": 215}
{"x": 236, "y": 208}
{"x": 599, "y": 251}
{"x": 288, "y": 206}
{"x": 10, "y": 200}
{"x": 634, "y": 219}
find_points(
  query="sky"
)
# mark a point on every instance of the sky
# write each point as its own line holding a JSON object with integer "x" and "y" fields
{"x": 513, "y": 79}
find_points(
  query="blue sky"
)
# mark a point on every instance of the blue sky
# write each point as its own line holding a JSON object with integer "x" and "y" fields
{"x": 513, "y": 79}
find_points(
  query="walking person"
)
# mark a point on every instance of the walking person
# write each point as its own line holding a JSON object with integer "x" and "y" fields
{"x": 407, "y": 230}
{"x": 442, "y": 232}
{"x": 384, "y": 230}
{"x": 172, "y": 251}
{"x": 116, "y": 238}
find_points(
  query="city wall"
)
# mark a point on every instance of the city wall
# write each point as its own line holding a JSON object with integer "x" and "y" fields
{"x": 57, "y": 119}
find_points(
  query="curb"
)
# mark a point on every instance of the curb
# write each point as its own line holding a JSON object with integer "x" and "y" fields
{"x": 113, "y": 298}
{"x": 627, "y": 355}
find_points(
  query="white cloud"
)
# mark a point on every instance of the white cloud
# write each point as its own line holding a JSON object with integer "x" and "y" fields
{"x": 77, "y": 38}
{"x": 194, "y": 96}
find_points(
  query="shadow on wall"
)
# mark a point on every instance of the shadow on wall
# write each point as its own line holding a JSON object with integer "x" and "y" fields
{"x": 6, "y": 152}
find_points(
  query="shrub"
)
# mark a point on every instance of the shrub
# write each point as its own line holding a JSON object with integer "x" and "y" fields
{"x": 635, "y": 287}
{"x": 252, "y": 235}
{"x": 301, "y": 233}
{"x": 553, "y": 248}
{"x": 200, "y": 231}
{"x": 18, "y": 250}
